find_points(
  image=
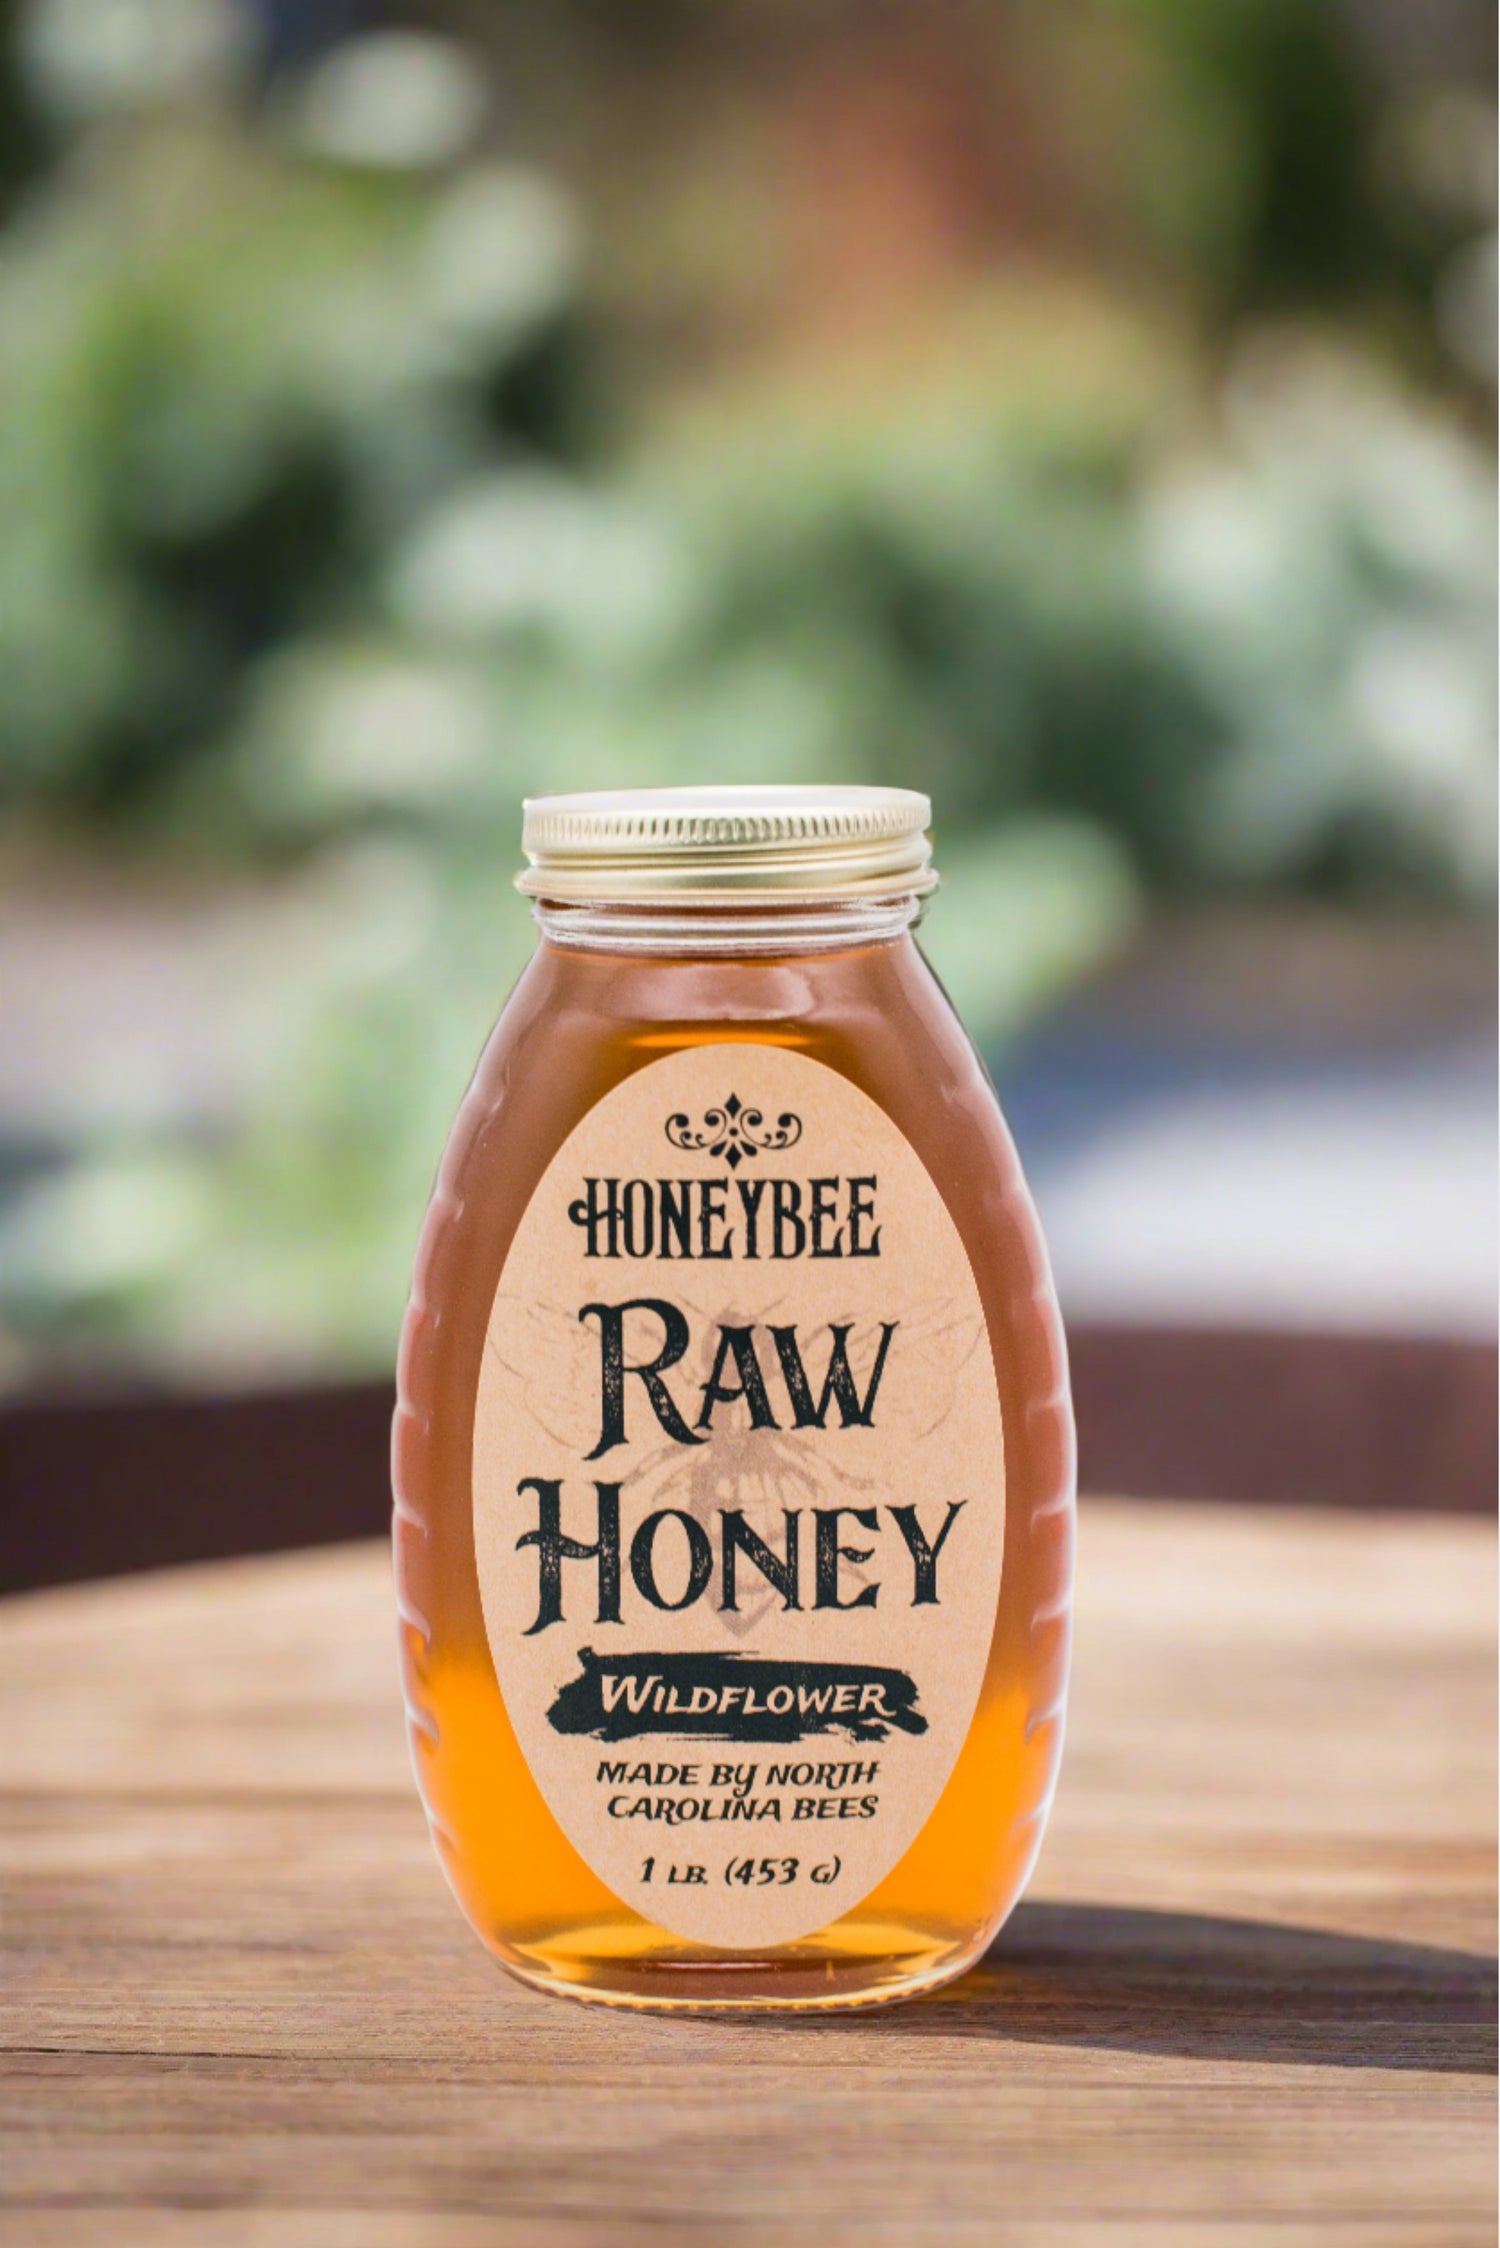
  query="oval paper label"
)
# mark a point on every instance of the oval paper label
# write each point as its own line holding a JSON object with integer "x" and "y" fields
{"x": 738, "y": 1493}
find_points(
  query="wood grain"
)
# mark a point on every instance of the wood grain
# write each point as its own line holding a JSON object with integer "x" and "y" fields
{"x": 1250, "y": 1998}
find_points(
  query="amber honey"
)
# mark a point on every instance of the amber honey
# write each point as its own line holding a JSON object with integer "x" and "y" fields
{"x": 618, "y": 985}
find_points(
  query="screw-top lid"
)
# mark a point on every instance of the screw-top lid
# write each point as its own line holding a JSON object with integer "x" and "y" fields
{"x": 639, "y": 844}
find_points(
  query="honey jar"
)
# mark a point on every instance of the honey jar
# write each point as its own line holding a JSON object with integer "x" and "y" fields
{"x": 733, "y": 1456}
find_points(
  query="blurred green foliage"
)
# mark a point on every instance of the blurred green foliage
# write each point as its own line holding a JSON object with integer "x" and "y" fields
{"x": 323, "y": 543}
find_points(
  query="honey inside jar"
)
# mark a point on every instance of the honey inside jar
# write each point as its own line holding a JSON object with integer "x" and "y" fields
{"x": 693, "y": 1568}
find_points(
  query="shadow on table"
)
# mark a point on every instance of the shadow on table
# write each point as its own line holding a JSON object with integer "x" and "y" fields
{"x": 1189, "y": 1985}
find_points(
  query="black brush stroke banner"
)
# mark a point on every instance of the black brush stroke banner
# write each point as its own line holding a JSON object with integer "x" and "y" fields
{"x": 732, "y": 1697}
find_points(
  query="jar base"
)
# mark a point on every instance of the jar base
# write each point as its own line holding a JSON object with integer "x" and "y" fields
{"x": 787, "y": 1984}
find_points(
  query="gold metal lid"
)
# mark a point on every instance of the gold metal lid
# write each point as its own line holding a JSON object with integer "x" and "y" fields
{"x": 763, "y": 844}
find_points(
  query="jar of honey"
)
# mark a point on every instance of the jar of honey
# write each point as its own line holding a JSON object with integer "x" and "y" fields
{"x": 733, "y": 1456}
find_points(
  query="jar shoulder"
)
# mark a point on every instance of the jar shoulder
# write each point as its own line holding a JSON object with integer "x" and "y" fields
{"x": 573, "y": 1029}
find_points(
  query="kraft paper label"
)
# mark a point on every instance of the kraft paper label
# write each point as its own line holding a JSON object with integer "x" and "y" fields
{"x": 738, "y": 1493}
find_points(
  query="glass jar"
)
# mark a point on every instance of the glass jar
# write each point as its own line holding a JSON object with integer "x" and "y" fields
{"x": 733, "y": 1457}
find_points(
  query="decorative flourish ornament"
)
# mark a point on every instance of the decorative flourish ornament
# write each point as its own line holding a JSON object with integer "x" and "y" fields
{"x": 733, "y": 1131}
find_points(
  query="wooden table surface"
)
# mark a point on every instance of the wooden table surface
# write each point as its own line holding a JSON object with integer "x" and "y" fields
{"x": 1251, "y": 1996}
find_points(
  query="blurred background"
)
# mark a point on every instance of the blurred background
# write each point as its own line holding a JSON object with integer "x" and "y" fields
{"x": 1081, "y": 409}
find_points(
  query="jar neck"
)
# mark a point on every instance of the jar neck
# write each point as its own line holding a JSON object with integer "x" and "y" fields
{"x": 678, "y": 930}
